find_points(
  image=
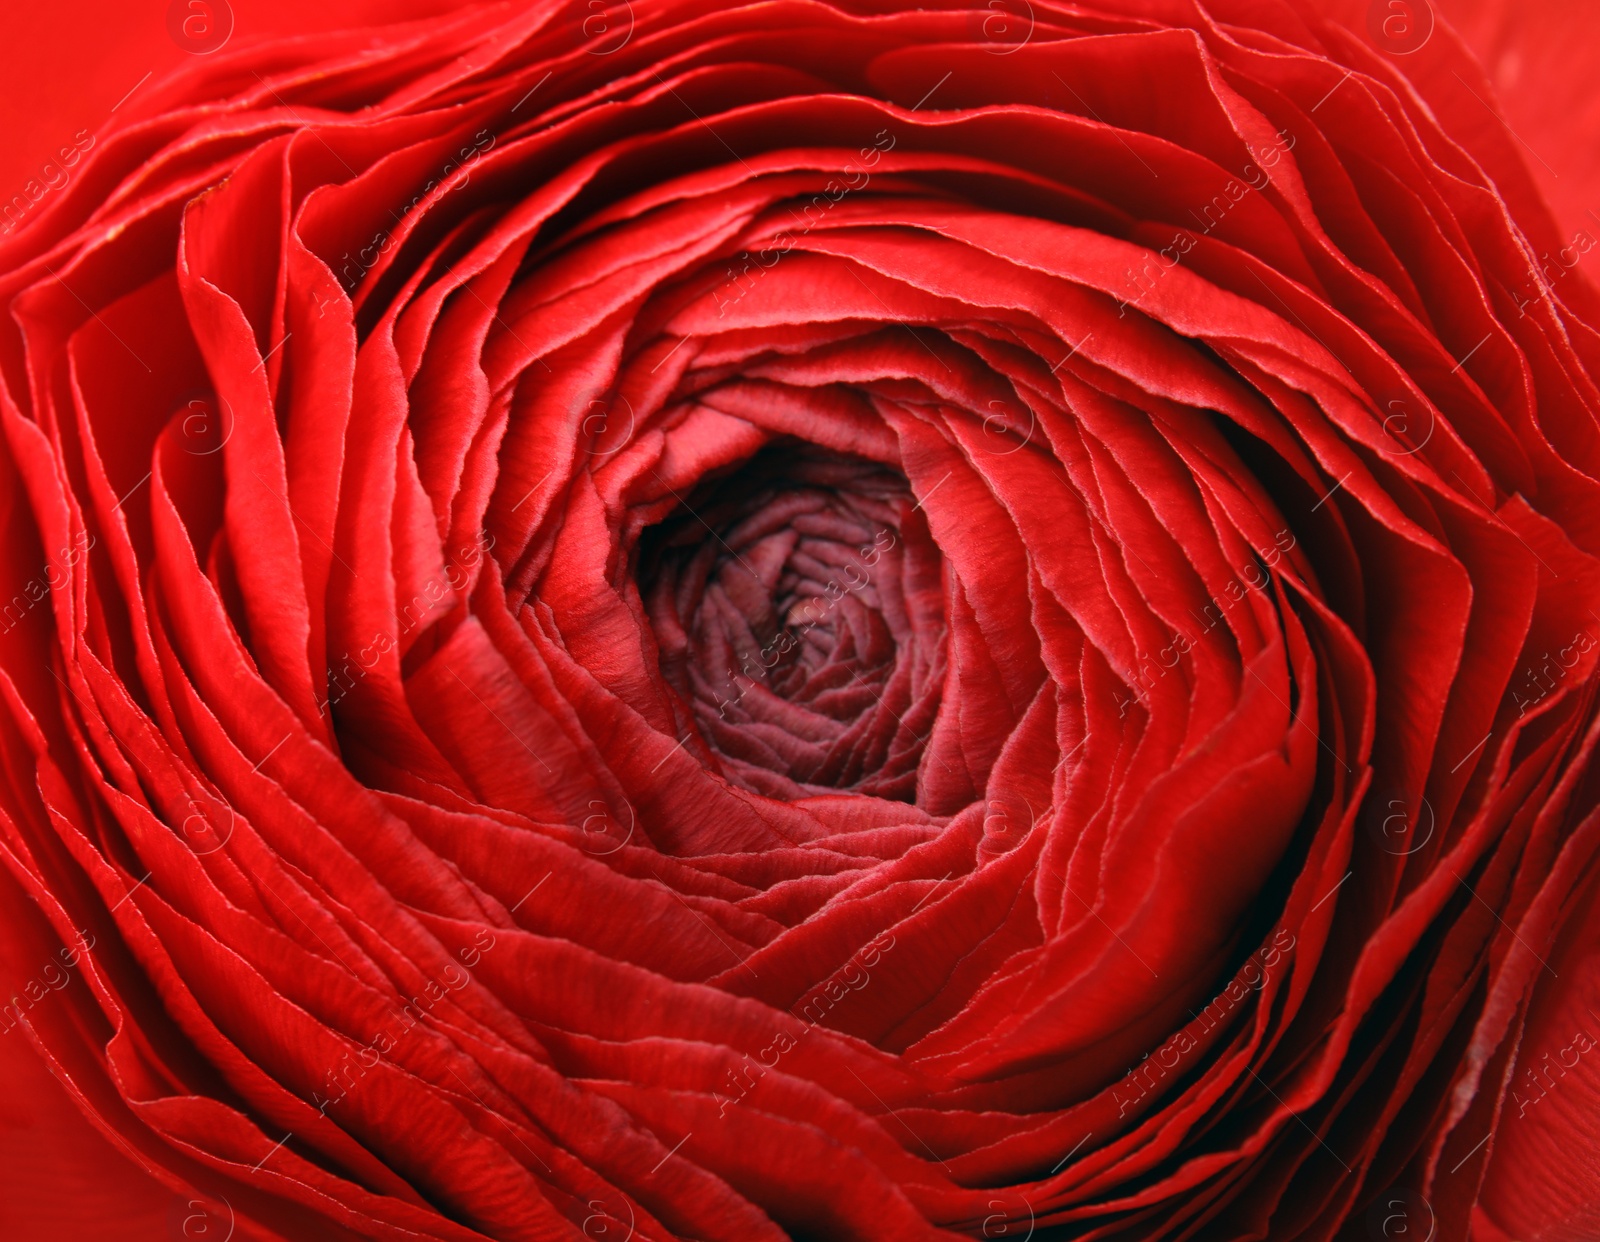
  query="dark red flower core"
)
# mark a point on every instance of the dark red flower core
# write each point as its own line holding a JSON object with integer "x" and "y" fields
{"x": 798, "y": 604}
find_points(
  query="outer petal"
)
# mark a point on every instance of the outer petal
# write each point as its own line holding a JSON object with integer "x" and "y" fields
{"x": 1543, "y": 1184}
{"x": 62, "y": 75}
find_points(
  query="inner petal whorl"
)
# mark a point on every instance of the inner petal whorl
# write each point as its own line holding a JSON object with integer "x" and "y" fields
{"x": 798, "y": 605}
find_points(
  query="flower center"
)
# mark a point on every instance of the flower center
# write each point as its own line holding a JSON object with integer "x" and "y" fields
{"x": 798, "y": 605}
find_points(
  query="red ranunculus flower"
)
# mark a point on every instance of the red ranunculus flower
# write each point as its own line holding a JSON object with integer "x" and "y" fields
{"x": 812, "y": 620}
